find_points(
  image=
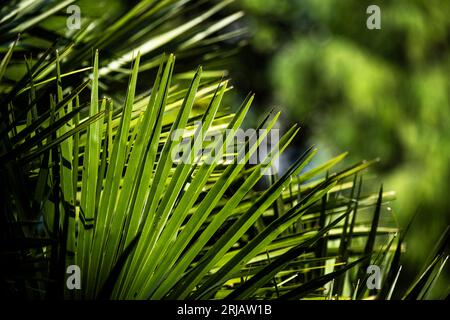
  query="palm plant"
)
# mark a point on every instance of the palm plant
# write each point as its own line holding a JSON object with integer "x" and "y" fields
{"x": 91, "y": 182}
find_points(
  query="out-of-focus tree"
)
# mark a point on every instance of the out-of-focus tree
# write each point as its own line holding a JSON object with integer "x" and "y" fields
{"x": 377, "y": 93}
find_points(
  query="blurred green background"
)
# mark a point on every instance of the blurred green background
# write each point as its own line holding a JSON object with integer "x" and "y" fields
{"x": 375, "y": 93}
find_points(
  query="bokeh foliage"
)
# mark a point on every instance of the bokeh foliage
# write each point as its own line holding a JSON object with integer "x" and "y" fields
{"x": 377, "y": 93}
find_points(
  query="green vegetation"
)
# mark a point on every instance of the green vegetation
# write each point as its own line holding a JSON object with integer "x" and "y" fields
{"x": 90, "y": 181}
{"x": 377, "y": 93}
